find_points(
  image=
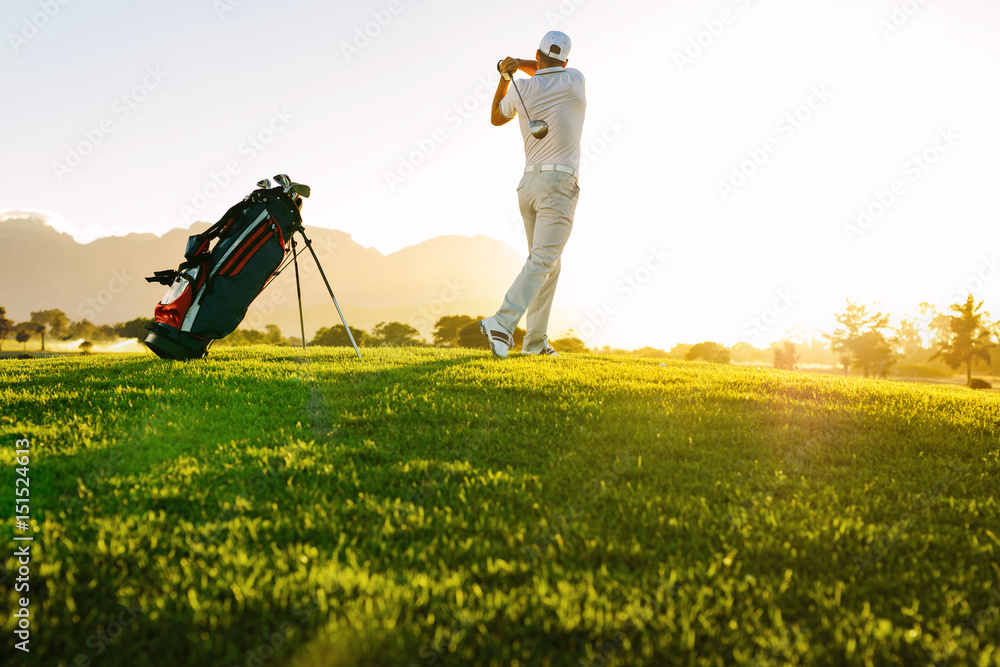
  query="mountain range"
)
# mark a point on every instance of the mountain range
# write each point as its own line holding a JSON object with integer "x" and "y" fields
{"x": 103, "y": 281}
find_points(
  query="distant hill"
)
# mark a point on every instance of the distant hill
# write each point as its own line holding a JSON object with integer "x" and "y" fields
{"x": 103, "y": 281}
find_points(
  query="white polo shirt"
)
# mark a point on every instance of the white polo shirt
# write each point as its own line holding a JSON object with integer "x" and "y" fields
{"x": 558, "y": 96}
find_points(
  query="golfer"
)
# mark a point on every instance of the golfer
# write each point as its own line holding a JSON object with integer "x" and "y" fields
{"x": 548, "y": 191}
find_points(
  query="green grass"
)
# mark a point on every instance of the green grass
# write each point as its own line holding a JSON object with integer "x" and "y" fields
{"x": 267, "y": 506}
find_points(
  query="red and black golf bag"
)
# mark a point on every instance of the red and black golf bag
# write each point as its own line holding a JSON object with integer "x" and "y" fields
{"x": 210, "y": 291}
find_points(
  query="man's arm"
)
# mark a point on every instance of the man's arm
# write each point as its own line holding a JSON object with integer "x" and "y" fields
{"x": 529, "y": 67}
{"x": 496, "y": 116}
{"x": 509, "y": 65}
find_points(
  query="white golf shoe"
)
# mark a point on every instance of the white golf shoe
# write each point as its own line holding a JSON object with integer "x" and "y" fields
{"x": 546, "y": 351}
{"x": 499, "y": 338}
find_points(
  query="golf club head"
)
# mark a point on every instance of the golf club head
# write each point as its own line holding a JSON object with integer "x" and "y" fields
{"x": 283, "y": 181}
{"x": 264, "y": 184}
{"x": 538, "y": 128}
{"x": 301, "y": 189}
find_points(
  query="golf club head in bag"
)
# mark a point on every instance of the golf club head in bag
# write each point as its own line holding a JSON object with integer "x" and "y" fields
{"x": 284, "y": 181}
{"x": 294, "y": 190}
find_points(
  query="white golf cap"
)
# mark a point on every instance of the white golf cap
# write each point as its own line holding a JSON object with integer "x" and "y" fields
{"x": 560, "y": 40}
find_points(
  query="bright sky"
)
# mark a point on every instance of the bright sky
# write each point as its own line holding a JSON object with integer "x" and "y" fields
{"x": 117, "y": 114}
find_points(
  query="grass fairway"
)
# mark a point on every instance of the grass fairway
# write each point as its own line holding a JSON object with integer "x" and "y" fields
{"x": 424, "y": 507}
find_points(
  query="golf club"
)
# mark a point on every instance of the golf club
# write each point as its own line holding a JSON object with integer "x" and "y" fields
{"x": 264, "y": 184}
{"x": 284, "y": 181}
{"x": 537, "y": 128}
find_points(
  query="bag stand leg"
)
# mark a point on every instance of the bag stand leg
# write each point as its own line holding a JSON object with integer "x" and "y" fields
{"x": 308, "y": 243}
{"x": 298, "y": 290}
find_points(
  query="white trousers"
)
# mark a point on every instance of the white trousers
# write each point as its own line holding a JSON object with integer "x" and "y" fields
{"x": 548, "y": 204}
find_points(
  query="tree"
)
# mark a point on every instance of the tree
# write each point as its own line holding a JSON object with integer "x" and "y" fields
{"x": 862, "y": 340}
{"x": 86, "y": 347}
{"x": 87, "y": 330}
{"x": 40, "y": 330}
{"x": 6, "y": 326}
{"x": 23, "y": 336}
{"x": 395, "y": 334}
{"x": 133, "y": 329}
{"x": 83, "y": 329}
{"x": 785, "y": 356}
{"x": 746, "y": 353}
{"x": 55, "y": 320}
{"x": 447, "y": 328}
{"x": 241, "y": 337}
{"x": 938, "y": 323}
{"x": 337, "y": 337}
{"x": 708, "y": 351}
{"x": 569, "y": 344}
{"x": 470, "y": 336}
{"x": 274, "y": 336}
{"x": 908, "y": 342}
{"x": 647, "y": 351}
{"x": 969, "y": 337}
{"x": 873, "y": 353}
{"x": 908, "y": 339}
{"x": 679, "y": 351}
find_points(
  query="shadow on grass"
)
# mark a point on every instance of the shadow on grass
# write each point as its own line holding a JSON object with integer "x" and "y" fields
{"x": 334, "y": 501}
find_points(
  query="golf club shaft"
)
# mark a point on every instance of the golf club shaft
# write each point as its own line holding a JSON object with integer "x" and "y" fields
{"x": 298, "y": 290}
{"x": 330, "y": 290}
{"x": 521, "y": 98}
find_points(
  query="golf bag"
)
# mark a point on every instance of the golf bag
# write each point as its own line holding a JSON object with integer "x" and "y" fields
{"x": 210, "y": 292}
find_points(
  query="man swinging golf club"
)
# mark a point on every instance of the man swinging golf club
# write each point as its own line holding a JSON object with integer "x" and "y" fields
{"x": 551, "y": 106}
